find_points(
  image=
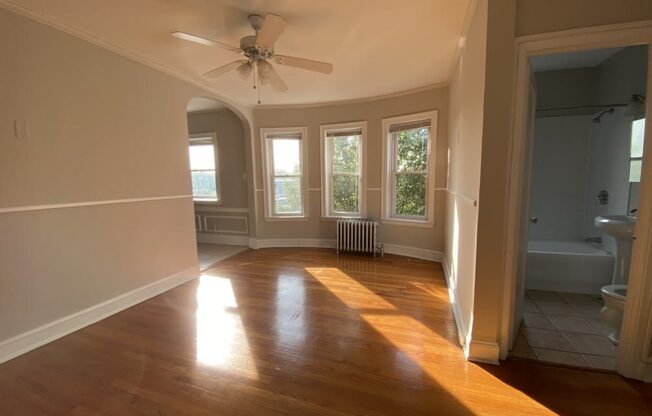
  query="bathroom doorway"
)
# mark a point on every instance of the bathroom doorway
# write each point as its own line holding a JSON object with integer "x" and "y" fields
{"x": 580, "y": 198}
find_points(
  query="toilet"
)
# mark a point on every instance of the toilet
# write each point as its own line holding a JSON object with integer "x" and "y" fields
{"x": 614, "y": 305}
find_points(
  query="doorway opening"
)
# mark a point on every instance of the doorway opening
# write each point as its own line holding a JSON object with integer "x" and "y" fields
{"x": 216, "y": 150}
{"x": 581, "y": 195}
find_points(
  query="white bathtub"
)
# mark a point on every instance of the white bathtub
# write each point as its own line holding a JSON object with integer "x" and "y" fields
{"x": 567, "y": 266}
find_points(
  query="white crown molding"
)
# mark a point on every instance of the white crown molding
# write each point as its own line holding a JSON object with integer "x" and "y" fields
{"x": 354, "y": 100}
{"x": 89, "y": 203}
{"x": 27, "y": 341}
{"x": 102, "y": 43}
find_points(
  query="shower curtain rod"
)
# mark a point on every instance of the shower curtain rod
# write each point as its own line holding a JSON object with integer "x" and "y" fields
{"x": 582, "y": 107}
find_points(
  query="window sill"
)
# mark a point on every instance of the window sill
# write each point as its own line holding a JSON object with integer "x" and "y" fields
{"x": 342, "y": 217}
{"x": 208, "y": 203}
{"x": 288, "y": 218}
{"x": 409, "y": 223}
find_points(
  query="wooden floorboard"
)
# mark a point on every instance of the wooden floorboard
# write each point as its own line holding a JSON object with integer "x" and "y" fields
{"x": 297, "y": 332}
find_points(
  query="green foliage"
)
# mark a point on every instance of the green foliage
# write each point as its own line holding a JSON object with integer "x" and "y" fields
{"x": 410, "y": 176}
{"x": 287, "y": 195}
{"x": 204, "y": 185}
{"x": 345, "y": 165}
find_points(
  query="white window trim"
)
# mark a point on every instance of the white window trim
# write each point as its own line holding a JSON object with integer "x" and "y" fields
{"x": 387, "y": 193}
{"x": 268, "y": 177}
{"x": 218, "y": 176}
{"x": 326, "y": 208}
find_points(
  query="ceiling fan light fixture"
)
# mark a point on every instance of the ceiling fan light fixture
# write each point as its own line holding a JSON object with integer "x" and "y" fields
{"x": 244, "y": 70}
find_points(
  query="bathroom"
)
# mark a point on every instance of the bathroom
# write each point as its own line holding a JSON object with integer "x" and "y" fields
{"x": 583, "y": 196}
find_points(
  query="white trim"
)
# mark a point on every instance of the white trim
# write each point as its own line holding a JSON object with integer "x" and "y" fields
{"x": 407, "y": 222}
{"x": 42, "y": 335}
{"x": 430, "y": 87}
{"x": 417, "y": 253}
{"x": 294, "y": 242}
{"x": 90, "y": 203}
{"x": 452, "y": 296}
{"x": 387, "y": 165}
{"x": 482, "y": 351}
{"x": 267, "y": 174}
{"x": 464, "y": 198}
{"x": 245, "y": 220}
{"x": 633, "y": 350}
{"x": 212, "y": 136}
{"x": 216, "y": 238}
{"x": 325, "y": 158}
{"x": 205, "y": 208}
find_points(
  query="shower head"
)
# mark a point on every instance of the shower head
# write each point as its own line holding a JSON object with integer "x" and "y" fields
{"x": 598, "y": 118}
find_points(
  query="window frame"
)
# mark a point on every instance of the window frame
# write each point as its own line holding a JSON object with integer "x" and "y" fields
{"x": 326, "y": 171}
{"x": 388, "y": 187}
{"x": 637, "y": 158}
{"x": 206, "y": 138}
{"x": 268, "y": 174}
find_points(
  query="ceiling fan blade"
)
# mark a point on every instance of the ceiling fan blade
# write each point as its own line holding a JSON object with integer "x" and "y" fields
{"x": 204, "y": 41}
{"x": 302, "y": 63}
{"x": 277, "y": 82}
{"x": 272, "y": 28}
{"x": 221, "y": 70}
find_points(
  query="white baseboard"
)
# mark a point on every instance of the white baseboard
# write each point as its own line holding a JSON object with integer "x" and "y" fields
{"x": 419, "y": 253}
{"x": 27, "y": 341}
{"x": 482, "y": 351}
{"x": 292, "y": 242}
{"x": 234, "y": 240}
{"x": 452, "y": 296}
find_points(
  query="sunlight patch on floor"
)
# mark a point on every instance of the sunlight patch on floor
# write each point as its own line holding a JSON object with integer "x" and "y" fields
{"x": 434, "y": 354}
{"x": 221, "y": 338}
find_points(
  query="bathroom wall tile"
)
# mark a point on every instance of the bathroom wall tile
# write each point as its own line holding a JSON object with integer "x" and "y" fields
{"x": 576, "y": 324}
{"x": 544, "y": 296}
{"x": 551, "y": 308}
{"x": 579, "y": 298}
{"x": 545, "y": 338}
{"x": 522, "y": 351}
{"x": 601, "y": 362}
{"x": 560, "y": 357}
{"x": 591, "y": 344}
{"x": 537, "y": 320}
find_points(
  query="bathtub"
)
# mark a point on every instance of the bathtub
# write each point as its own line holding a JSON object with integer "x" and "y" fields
{"x": 568, "y": 266}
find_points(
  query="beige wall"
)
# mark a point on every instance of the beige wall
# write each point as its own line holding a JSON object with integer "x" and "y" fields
{"x": 541, "y": 16}
{"x": 101, "y": 127}
{"x": 372, "y": 112}
{"x": 465, "y": 144}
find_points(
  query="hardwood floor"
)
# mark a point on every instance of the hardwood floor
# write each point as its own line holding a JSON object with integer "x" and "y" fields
{"x": 296, "y": 332}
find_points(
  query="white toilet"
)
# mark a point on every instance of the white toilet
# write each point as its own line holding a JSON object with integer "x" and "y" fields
{"x": 614, "y": 305}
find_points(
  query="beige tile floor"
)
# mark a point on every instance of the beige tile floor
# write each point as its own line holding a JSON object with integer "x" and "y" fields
{"x": 565, "y": 328}
{"x": 209, "y": 254}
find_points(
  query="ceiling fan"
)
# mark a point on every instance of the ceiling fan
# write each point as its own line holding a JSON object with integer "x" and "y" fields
{"x": 258, "y": 49}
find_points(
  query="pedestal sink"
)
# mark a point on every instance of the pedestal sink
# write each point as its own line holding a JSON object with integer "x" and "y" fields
{"x": 621, "y": 228}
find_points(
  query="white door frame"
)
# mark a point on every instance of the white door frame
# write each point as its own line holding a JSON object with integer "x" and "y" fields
{"x": 634, "y": 352}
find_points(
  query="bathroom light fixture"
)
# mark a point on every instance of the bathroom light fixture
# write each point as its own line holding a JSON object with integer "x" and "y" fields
{"x": 635, "y": 107}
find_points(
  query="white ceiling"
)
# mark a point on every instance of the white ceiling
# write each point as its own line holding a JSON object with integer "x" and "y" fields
{"x": 571, "y": 60}
{"x": 203, "y": 104}
{"x": 377, "y": 47}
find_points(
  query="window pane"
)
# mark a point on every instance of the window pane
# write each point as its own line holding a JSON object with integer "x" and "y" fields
{"x": 202, "y": 157}
{"x": 204, "y": 185}
{"x": 345, "y": 154}
{"x": 345, "y": 194}
{"x": 287, "y": 157}
{"x": 411, "y": 195}
{"x": 635, "y": 170}
{"x": 287, "y": 195}
{"x": 412, "y": 149}
{"x": 638, "y": 131}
